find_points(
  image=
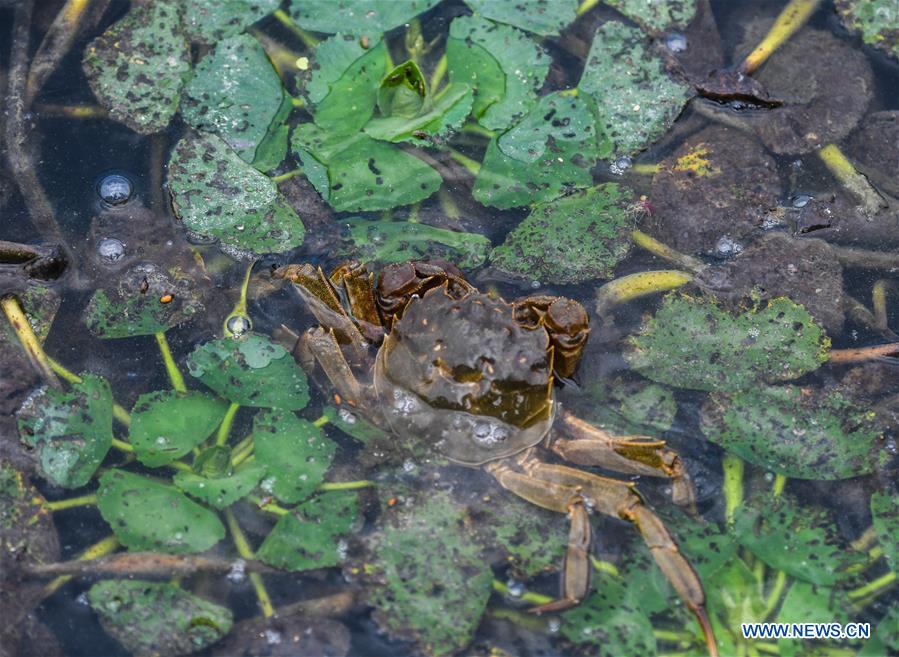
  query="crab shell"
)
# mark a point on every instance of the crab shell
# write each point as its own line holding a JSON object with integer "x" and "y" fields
{"x": 461, "y": 369}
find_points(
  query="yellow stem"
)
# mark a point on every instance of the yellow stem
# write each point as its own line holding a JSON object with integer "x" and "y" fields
{"x": 472, "y": 166}
{"x": 607, "y": 567}
{"x": 646, "y": 168}
{"x": 634, "y": 286}
{"x": 447, "y": 203}
{"x": 285, "y": 176}
{"x": 733, "y": 486}
{"x": 57, "y": 42}
{"x": 120, "y": 414}
{"x": 879, "y": 301}
{"x": 863, "y": 354}
{"x": 74, "y": 112}
{"x": 665, "y": 252}
{"x": 29, "y": 341}
{"x": 477, "y": 129}
{"x": 122, "y": 446}
{"x": 873, "y": 588}
{"x": 586, "y": 6}
{"x": 71, "y": 503}
{"x": 246, "y": 552}
{"x": 322, "y": 421}
{"x": 271, "y": 507}
{"x": 284, "y": 18}
{"x": 773, "y": 599}
{"x": 527, "y": 596}
{"x": 793, "y": 16}
{"x": 865, "y": 541}
{"x": 779, "y": 482}
{"x": 437, "y": 75}
{"x": 240, "y": 308}
{"x": 225, "y": 427}
{"x": 99, "y": 549}
{"x": 170, "y": 367}
{"x": 346, "y": 485}
{"x": 844, "y": 171}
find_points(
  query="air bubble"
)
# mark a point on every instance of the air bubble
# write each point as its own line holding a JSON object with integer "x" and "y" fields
{"x": 115, "y": 189}
{"x": 619, "y": 166}
{"x": 801, "y": 200}
{"x": 727, "y": 247}
{"x": 111, "y": 249}
{"x": 515, "y": 587}
{"x": 676, "y": 42}
{"x": 238, "y": 571}
{"x": 238, "y": 325}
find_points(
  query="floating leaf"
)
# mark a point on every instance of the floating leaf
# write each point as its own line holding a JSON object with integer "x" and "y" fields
{"x": 693, "y": 343}
{"x": 217, "y": 194}
{"x": 152, "y": 618}
{"x": 504, "y": 182}
{"x": 577, "y": 238}
{"x": 801, "y": 541}
{"x": 657, "y": 16}
{"x": 431, "y": 584}
{"x": 307, "y": 537}
{"x": 734, "y": 594}
{"x": 212, "y": 23}
{"x": 295, "y": 452}
{"x": 221, "y": 492}
{"x": 507, "y": 79}
{"x": 885, "y": 520}
{"x": 610, "y": 623}
{"x": 365, "y": 174}
{"x": 235, "y": 93}
{"x": 133, "y": 306}
{"x": 626, "y": 406}
{"x": 72, "y": 431}
{"x": 333, "y": 57}
{"x": 357, "y": 16}
{"x": 403, "y": 91}
{"x": 398, "y": 241}
{"x": 353, "y": 425}
{"x": 800, "y": 433}
{"x": 544, "y": 17}
{"x": 636, "y": 99}
{"x": 439, "y": 116}
{"x": 148, "y": 515}
{"x": 137, "y": 67}
{"x": 166, "y": 425}
{"x": 273, "y": 148}
{"x": 877, "y": 20}
{"x": 251, "y": 371}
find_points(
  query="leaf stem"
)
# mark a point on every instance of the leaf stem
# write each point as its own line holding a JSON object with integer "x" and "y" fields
{"x": 586, "y": 6}
{"x": 673, "y": 636}
{"x": 240, "y": 308}
{"x": 225, "y": 427}
{"x": 472, "y": 166}
{"x": 269, "y": 506}
{"x": 477, "y": 129}
{"x": 793, "y": 17}
{"x": 879, "y": 301}
{"x": 71, "y": 503}
{"x": 346, "y": 485}
{"x": 635, "y": 286}
{"x": 865, "y": 541}
{"x": 285, "y": 176}
{"x": 780, "y": 481}
{"x": 733, "y": 486}
{"x": 122, "y": 446}
{"x": 872, "y": 589}
{"x": 321, "y": 421}
{"x": 645, "y": 168}
{"x": 284, "y": 18}
{"x": 246, "y": 552}
{"x": 607, "y": 567}
{"x": 773, "y": 599}
{"x": 527, "y": 596}
{"x": 29, "y": 341}
{"x": 665, "y": 252}
{"x": 437, "y": 75}
{"x": 239, "y": 456}
{"x": 857, "y": 184}
{"x": 170, "y": 367}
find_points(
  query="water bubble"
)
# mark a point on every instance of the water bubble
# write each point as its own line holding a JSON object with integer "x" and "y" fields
{"x": 553, "y": 625}
{"x": 619, "y": 166}
{"x": 727, "y": 247}
{"x": 535, "y": 285}
{"x": 404, "y": 403}
{"x": 111, "y": 249}
{"x": 238, "y": 572}
{"x": 114, "y": 189}
{"x": 346, "y": 416}
{"x": 238, "y": 325}
{"x": 408, "y": 465}
{"x": 676, "y": 42}
{"x": 272, "y": 637}
{"x": 800, "y": 200}
{"x": 82, "y": 599}
{"x": 343, "y": 549}
{"x": 516, "y": 588}
{"x": 489, "y": 434}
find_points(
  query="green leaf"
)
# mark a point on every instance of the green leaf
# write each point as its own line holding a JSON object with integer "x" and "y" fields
{"x": 577, "y": 238}
{"x": 885, "y": 637}
{"x": 657, "y": 16}
{"x": 166, "y": 425}
{"x": 295, "y": 452}
{"x": 147, "y": 515}
{"x": 430, "y": 583}
{"x": 398, "y": 241}
{"x": 152, "y": 618}
{"x": 217, "y": 194}
{"x": 365, "y": 174}
{"x": 72, "y": 431}
{"x": 543, "y": 17}
{"x": 235, "y": 93}
{"x": 734, "y": 594}
{"x": 808, "y": 603}
{"x": 214, "y": 22}
{"x": 403, "y": 91}
{"x": 221, "y": 492}
{"x": 795, "y": 432}
{"x": 252, "y": 371}
{"x": 137, "y": 67}
{"x": 627, "y": 406}
{"x": 353, "y": 425}
{"x": 691, "y": 342}
{"x": 307, "y": 537}
{"x": 636, "y": 100}
{"x": 273, "y": 148}
{"x": 558, "y": 118}
{"x": 801, "y": 541}
{"x": 876, "y": 20}
{"x": 501, "y": 98}
{"x": 439, "y": 116}
{"x": 504, "y": 182}
{"x": 357, "y": 16}
{"x": 133, "y": 306}
{"x": 610, "y": 623}
{"x": 885, "y": 521}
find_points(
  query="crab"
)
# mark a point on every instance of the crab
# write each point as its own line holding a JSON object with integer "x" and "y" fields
{"x": 474, "y": 375}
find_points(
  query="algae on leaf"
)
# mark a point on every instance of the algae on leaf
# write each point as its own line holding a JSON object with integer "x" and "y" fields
{"x": 357, "y": 16}
{"x": 876, "y": 20}
{"x": 576, "y": 238}
{"x": 137, "y": 68}
{"x": 657, "y": 16}
{"x": 543, "y": 17}
{"x": 221, "y": 492}
{"x": 217, "y": 194}
{"x": 637, "y": 101}
{"x": 212, "y": 22}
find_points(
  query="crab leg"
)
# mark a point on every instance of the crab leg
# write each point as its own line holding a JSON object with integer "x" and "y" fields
{"x": 554, "y": 487}
{"x": 641, "y": 455}
{"x": 322, "y": 344}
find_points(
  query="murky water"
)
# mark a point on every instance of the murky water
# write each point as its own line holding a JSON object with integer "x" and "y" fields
{"x": 751, "y": 235}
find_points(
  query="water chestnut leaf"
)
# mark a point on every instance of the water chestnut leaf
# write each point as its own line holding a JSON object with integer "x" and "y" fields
{"x": 353, "y": 425}
{"x": 403, "y": 91}
{"x": 307, "y": 537}
{"x": 885, "y": 520}
{"x": 331, "y": 59}
{"x": 398, "y": 241}
{"x": 251, "y": 370}
{"x": 234, "y": 93}
{"x": 808, "y": 603}
{"x": 137, "y": 68}
{"x": 357, "y": 16}
{"x": 579, "y": 237}
{"x": 802, "y": 541}
{"x": 295, "y": 452}
{"x": 636, "y": 99}
{"x": 273, "y": 148}
{"x": 221, "y": 492}
{"x": 154, "y": 618}
{"x": 71, "y": 430}
{"x": 217, "y": 194}
{"x": 691, "y": 342}
{"x": 439, "y": 116}
{"x": 522, "y": 63}
{"x": 212, "y": 23}
{"x": 798, "y": 432}
{"x": 166, "y": 425}
{"x": 657, "y": 16}
{"x": 543, "y": 17}
{"x": 146, "y": 514}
